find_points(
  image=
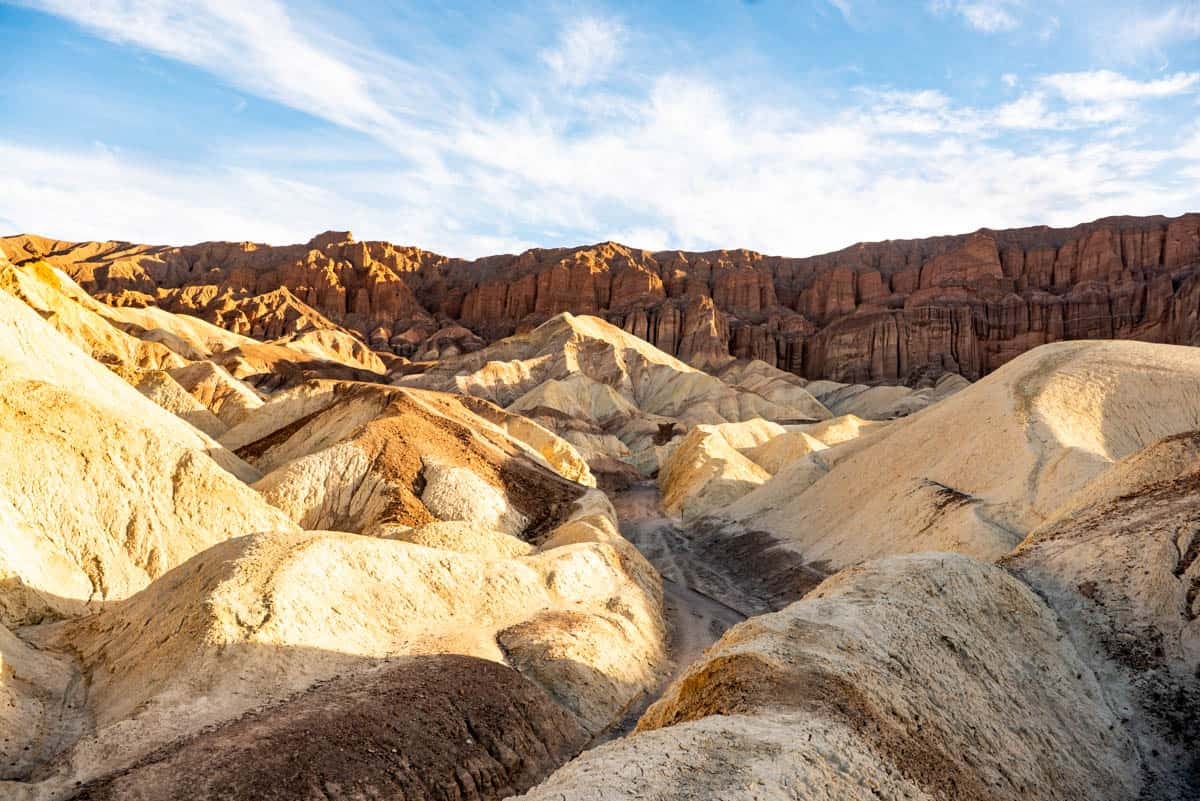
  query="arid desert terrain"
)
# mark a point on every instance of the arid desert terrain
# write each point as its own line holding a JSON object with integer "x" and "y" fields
{"x": 346, "y": 520}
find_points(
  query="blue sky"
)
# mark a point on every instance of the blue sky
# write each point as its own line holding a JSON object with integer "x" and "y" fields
{"x": 787, "y": 126}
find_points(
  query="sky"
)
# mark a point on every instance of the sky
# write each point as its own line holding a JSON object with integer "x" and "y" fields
{"x": 790, "y": 127}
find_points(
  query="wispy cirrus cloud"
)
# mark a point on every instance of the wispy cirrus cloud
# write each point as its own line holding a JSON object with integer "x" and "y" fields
{"x": 1149, "y": 34}
{"x": 586, "y": 50}
{"x": 256, "y": 47}
{"x": 988, "y": 16}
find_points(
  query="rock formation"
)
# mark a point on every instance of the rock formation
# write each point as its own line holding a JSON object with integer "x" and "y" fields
{"x": 885, "y": 312}
{"x": 436, "y": 721}
{"x": 1118, "y": 566}
{"x": 616, "y": 398}
{"x": 263, "y": 554}
{"x": 101, "y": 490}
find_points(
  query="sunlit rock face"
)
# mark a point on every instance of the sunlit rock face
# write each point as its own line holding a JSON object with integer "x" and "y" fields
{"x": 876, "y": 312}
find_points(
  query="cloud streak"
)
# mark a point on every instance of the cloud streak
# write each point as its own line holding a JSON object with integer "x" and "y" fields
{"x": 988, "y": 16}
{"x": 256, "y": 47}
{"x": 586, "y": 51}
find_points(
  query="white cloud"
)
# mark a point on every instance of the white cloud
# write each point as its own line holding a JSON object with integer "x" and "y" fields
{"x": 1010, "y": 79}
{"x": 1105, "y": 86}
{"x": 1028, "y": 112}
{"x": 1148, "y": 34}
{"x": 586, "y": 51}
{"x": 254, "y": 46}
{"x": 988, "y": 16}
{"x": 1103, "y": 96}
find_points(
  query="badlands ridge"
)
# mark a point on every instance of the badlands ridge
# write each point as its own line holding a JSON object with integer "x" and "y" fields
{"x": 271, "y": 552}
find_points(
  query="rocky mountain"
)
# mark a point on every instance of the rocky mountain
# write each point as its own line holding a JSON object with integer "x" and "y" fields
{"x": 885, "y": 312}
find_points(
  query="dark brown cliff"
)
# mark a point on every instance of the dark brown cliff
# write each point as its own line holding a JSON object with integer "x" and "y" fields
{"x": 877, "y": 312}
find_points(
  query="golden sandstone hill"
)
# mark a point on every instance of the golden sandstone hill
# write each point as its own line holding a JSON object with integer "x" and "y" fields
{"x": 245, "y": 556}
{"x": 891, "y": 312}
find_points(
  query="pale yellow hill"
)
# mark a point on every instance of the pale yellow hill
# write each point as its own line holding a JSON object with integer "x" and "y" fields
{"x": 583, "y": 376}
{"x": 979, "y": 470}
{"x": 102, "y": 489}
{"x": 257, "y": 619}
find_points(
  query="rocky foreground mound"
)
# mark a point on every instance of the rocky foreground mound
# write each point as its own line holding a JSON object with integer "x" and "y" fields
{"x": 1067, "y": 671}
{"x": 919, "y": 677}
{"x": 877, "y": 312}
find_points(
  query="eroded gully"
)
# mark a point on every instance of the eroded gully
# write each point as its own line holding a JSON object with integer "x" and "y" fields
{"x": 695, "y": 618}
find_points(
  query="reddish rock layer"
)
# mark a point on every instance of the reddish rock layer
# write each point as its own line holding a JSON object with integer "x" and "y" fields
{"x": 878, "y": 312}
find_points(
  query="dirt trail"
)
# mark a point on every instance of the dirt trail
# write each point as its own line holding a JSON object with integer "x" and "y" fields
{"x": 696, "y": 619}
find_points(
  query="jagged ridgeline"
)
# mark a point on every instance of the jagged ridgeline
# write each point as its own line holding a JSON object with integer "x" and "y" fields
{"x": 890, "y": 312}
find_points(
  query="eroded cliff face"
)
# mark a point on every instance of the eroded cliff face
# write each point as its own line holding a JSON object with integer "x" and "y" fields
{"x": 880, "y": 312}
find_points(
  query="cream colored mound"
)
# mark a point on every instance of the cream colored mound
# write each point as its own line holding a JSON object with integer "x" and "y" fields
{"x": 978, "y": 471}
{"x": 334, "y": 345}
{"x": 257, "y": 619}
{"x": 777, "y": 386}
{"x": 580, "y": 374}
{"x": 884, "y": 402}
{"x": 160, "y": 387}
{"x": 462, "y": 537}
{"x": 54, "y": 298}
{"x": 781, "y": 451}
{"x": 458, "y": 493}
{"x": 593, "y": 447}
{"x": 840, "y": 429}
{"x": 578, "y": 396}
{"x": 231, "y": 400}
{"x": 557, "y": 452}
{"x": 192, "y": 338}
{"x": 102, "y": 489}
{"x": 706, "y": 473}
{"x": 746, "y": 434}
{"x": 922, "y": 677}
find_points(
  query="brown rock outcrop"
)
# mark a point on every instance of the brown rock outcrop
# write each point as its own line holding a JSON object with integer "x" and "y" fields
{"x": 877, "y": 313}
{"x": 443, "y": 726}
